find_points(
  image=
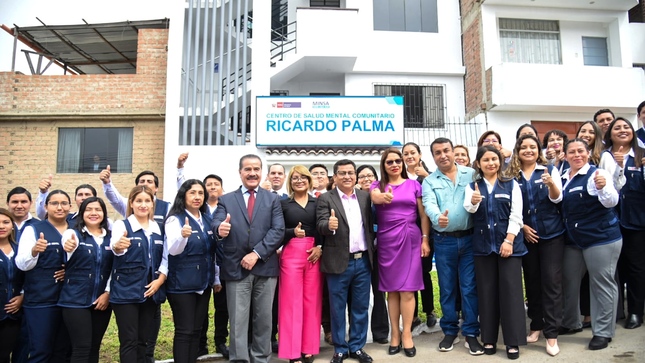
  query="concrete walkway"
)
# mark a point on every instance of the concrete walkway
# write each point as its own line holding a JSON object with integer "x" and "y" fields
{"x": 628, "y": 346}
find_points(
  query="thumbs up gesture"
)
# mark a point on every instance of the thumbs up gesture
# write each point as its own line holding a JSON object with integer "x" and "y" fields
{"x": 546, "y": 178}
{"x": 45, "y": 184}
{"x": 298, "y": 231}
{"x": 225, "y": 227}
{"x": 266, "y": 184}
{"x": 477, "y": 196}
{"x": 40, "y": 246}
{"x": 388, "y": 196}
{"x": 419, "y": 170}
{"x": 333, "y": 221}
{"x": 181, "y": 160}
{"x": 550, "y": 153}
{"x": 186, "y": 230}
{"x": 619, "y": 156}
{"x": 70, "y": 244}
{"x": 122, "y": 244}
{"x": 105, "y": 175}
{"x": 599, "y": 180}
{"x": 443, "y": 219}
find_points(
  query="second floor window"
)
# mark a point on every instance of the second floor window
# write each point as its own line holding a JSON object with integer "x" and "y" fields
{"x": 406, "y": 15}
{"x": 530, "y": 41}
{"x": 423, "y": 105}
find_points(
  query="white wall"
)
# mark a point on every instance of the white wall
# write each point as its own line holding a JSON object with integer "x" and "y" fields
{"x": 637, "y": 42}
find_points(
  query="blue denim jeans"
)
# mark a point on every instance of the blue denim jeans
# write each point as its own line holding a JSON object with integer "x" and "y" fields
{"x": 454, "y": 258}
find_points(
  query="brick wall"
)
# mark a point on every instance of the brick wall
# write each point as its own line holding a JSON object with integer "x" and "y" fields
{"x": 32, "y": 108}
{"x": 474, "y": 80}
{"x": 637, "y": 13}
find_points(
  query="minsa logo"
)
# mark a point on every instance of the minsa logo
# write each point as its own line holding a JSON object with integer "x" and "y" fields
{"x": 320, "y": 104}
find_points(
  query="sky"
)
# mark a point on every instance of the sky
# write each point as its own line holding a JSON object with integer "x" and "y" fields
{"x": 24, "y": 12}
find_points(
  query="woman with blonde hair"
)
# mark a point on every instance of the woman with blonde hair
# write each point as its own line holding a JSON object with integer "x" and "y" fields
{"x": 300, "y": 291}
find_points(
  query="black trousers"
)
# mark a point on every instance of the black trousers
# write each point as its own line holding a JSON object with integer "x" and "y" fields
{"x": 9, "y": 334}
{"x": 220, "y": 320}
{"x": 631, "y": 269}
{"x": 135, "y": 323}
{"x": 543, "y": 283}
{"x": 188, "y": 311}
{"x": 380, "y": 324}
{"x": 499, "y": 291}
{"x": 151, "y": 341}
{"x": 86, "y": 327}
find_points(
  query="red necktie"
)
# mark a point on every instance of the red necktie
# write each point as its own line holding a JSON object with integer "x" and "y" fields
{"x": 251, "y": 203}
{"x": 317, "y": 194}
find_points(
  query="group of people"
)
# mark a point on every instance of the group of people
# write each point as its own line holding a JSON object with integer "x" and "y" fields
{"x": 555, "y": 208}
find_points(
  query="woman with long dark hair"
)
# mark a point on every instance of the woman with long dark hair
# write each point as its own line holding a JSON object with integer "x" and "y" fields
{"x": 191, "y": 267}
{"x": 11, "y": 280}
{"x": 41, "y": 255}
{"x": 139, "y": 271}
{"x": 544, "y": 238}
{"x": 401, "y": 245}
{"x": 85, "y": 296}
{"x": 623, "y": 160}
{"x": 498, "y": 245}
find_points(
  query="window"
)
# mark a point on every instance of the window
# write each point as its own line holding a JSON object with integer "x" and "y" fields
{"x": 90, "y": 150}
{"x": 530, "y": 41}
{"x": 423, "y": 105}
{"x": 324, "y": 3}
{"x": 594, "y": 51}
{"x": 406, "y": 15}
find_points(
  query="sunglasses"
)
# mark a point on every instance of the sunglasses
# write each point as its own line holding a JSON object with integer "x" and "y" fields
{"x": 392, "y": 162}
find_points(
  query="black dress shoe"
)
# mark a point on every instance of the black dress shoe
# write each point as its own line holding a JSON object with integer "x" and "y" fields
{"x": 597, "y": 343}
{"x": 274, "y": 346}
{"x": 432, "y": 320}
{"x": 415, "y": 323}
{"x": 410, "y": 352}
{"x": 633, "y": 321}
{"x": 567, "y": 331}
{"x": 586, "y": 325}
{"x": 222, "y": 349}
{"x": 338, "y": 358}
{"x": 393, "y": 350}
{"x": 361, "y": 356}
{"x": 381, "y": 340}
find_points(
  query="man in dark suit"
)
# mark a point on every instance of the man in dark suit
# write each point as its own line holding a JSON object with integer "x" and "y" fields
{"x": 250, "y": 227}
{"x": 345, "y": 222}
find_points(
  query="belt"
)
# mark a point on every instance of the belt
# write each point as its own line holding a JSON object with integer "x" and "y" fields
{"x": 357, "y": 255}
{"x": 456, "y": 234}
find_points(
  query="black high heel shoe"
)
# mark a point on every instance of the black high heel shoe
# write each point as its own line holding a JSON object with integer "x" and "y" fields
{"x": 391, "y": 350}
{"x": 410, "y": 352}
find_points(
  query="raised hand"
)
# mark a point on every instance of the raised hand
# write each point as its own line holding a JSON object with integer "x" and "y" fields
{"x": 45, "y": 184}
{"x": 443, "y": 219}
{"x": 225, "y": 227}
{"x": 105, "y": 175}
{"x": 599, "y": 180}
{"x": 186, "y": 230}
{"x": 266, "y": 184}
{"x": 40, "y": 246}
{"x": 333, "y": 221}
{"x": 550, "y": 153}
{"x": 388, "y": 196}
{"x": 298, "y": 231}
{"x": 122, "y": 244}
{"x": 477, "y": 196}
{"x": 619, "y": 156}
{"x": 546, "y": 178}
{"x": 181, "y": 160}
{"x": 70, "y": 244}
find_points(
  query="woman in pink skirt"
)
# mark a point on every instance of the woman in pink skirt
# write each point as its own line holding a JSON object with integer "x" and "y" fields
{"x": 300, "y": 292}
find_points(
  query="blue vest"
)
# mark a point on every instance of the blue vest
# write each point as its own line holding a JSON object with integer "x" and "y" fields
{"x": 135, "y": 269}
{"x": 29, "y": 222}
{"x": 538, "y": 211}
{"x": 193, "y": 269}
{"x": 491, "y": 220}
{"x": 161, "y": 209}
{"x": 11, "y": 280}
{"x": 87, "y": 272}
{"x": 41, "y": 289}
{"x": 640, "y": 133}
{"x": 632, "y": 197}
{"x": 587, "y": 221}
{"x": 71, "y": 220}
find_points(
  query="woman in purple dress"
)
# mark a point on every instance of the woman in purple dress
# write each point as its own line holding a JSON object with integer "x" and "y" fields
{"x": 401, "y": 245}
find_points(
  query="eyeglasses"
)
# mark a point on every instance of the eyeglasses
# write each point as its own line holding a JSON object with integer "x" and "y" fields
{"x": 345, "y": 173}
{"x": 57, "y": 204}
{"x": 392, "y": 162}
{"x": 366, "y": 176}
{"x": 299, "y": 178}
